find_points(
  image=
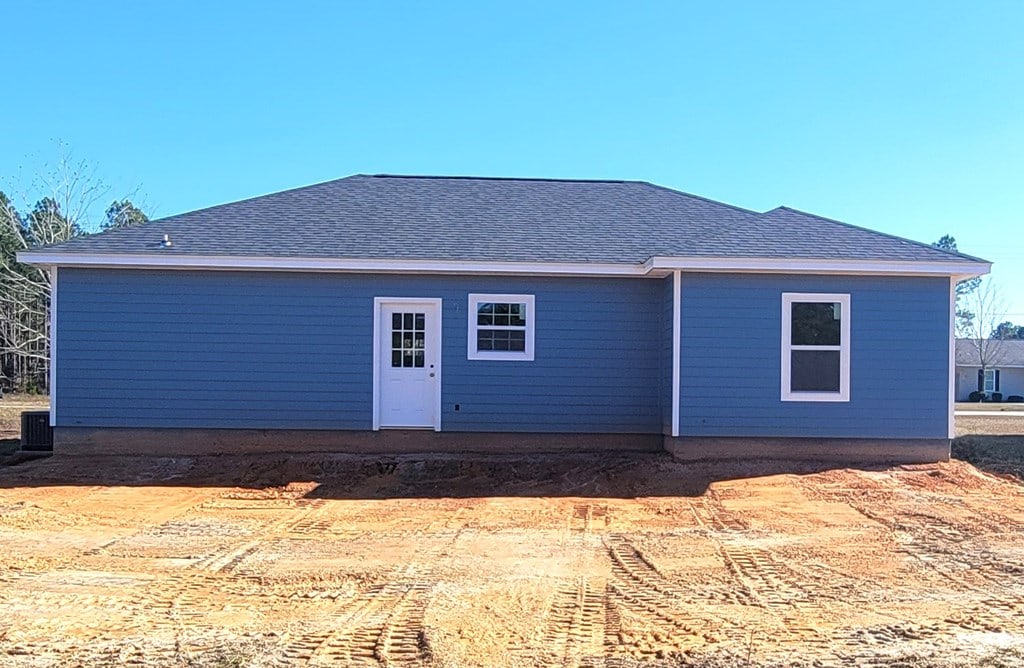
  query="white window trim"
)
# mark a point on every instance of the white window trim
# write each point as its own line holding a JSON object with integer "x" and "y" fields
{"x": 984, "y": 381}
{"x": 500, "y": 355}
{"x": 790, "y": 298}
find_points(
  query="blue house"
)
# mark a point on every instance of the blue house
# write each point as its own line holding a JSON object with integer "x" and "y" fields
{"x": 396, "y": 313}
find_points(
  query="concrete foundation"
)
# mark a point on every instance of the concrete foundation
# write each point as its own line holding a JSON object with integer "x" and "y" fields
{"x": 838, "y": 450}
{"x": 167, "y": 442}
{"x": 130, "y": 441}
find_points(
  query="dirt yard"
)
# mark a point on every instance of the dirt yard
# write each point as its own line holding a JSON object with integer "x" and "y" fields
{"x": 583, "y": 560}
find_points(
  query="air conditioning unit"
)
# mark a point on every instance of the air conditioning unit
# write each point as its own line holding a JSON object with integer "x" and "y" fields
{"x": 36, "y": 432}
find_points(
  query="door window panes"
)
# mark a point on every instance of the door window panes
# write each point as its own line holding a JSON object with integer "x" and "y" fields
{"x": 408, "y": 339}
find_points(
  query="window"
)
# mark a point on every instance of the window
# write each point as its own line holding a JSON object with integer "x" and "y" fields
{"x": 815, "y": 347}
{"x": 501, "y": 327}
{"x": 407, "y": 338}
{"x": 990, "y": 381}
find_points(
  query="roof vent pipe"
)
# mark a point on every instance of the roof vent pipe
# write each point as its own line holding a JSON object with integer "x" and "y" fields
{"x": 166, "y": 243}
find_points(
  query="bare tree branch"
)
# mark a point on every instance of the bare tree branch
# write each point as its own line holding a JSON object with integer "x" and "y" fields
{"x": 72, "y": 190}
{"x": 988, "y": 309}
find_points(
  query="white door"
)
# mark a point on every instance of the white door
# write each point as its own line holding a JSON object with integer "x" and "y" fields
{"x": 409, "y": 352}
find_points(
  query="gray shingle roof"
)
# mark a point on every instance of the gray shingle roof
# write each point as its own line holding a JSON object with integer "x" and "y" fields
{"x": 529, "y": 220}
{"x": 1008, "y": 353}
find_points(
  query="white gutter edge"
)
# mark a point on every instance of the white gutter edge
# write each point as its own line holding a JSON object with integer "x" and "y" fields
{"x": 657, "y": 266}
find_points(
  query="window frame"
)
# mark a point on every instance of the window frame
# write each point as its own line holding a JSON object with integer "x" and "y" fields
{"x": 984, "y": 381}
{"x": 790, "y": 298}
{"x": 526, "y": 355}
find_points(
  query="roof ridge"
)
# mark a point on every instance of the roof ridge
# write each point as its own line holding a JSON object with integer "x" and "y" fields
{"x": 884, "y": 234}
{"x": 492, "y": 178}
{"x": 204, "y": 209}
{"x": 698, "y": 197}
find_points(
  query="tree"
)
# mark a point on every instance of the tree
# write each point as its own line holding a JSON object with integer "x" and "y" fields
{"x": 986, "y": 306}
{"x": 25, "y": 301}
{"x": 71, "y": 192}
{"x": 11, "y": 227}
{"x": 964, "y": 289}
{"x": 10, "y": 221}
{"x": 1007, "y": 330}
{"x": 124, "y": 214}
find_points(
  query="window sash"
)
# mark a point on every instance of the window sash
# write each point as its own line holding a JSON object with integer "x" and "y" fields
{"x": 789, "y": 299}
{"x": 527, "y": 313}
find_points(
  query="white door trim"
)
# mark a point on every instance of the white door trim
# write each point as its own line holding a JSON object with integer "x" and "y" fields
{"x": 378, "y": 303}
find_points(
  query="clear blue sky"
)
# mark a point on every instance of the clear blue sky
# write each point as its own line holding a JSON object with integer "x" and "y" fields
{"x": 906, "y": 117}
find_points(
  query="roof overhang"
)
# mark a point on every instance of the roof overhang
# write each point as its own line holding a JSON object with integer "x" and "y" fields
{"x": 657, "y": 266}
{"x": 764, "y": 265}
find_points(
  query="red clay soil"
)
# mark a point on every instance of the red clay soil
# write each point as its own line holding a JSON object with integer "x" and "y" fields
{"x": 584, "y": 560}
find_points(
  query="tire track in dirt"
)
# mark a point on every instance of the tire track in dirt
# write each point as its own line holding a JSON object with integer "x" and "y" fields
{"x": 770, "y": 583}
{"x": 942, "y": 547}
{"x": 227, "y": 558}
{"x": 166, "y": 515}
{"x": 637, "y": 588}
{"x": 938, "y": 545}
{"x": 575, "y": 626}
{"x": 180, "y": 600}
{"x": 711, "y": 514}
{"x": 632, "y": 568}
{"x": 765, "y": 581}
{"x": 584, "y": 515}
{"x": 384, "y": 625}
{"x": 573, "y": 633}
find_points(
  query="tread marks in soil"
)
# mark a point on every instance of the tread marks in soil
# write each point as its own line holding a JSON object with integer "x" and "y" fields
{"x": 575, "y": 627}
{"x": 637, "y": 588}
{"x": 943, "y": 547}
{"x": 228, "y": 558}
{"x": 765, "y": 582}
{"x": 584, "y": 515}
{"x": 713, "y": 516}
{"x": 385, "y": 624}
{"x": 938, "y": 545}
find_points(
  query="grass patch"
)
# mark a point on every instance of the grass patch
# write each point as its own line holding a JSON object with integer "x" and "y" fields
{"x": 996, "y": 454}
{"x": 1001, "y": 407}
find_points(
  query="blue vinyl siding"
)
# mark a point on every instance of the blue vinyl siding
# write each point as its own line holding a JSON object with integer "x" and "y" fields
{"x": 295, "y": 350}
{"x": 731, "y": 358}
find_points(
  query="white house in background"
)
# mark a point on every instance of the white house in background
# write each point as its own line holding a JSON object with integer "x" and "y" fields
{"x": 1005, "y": 374}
